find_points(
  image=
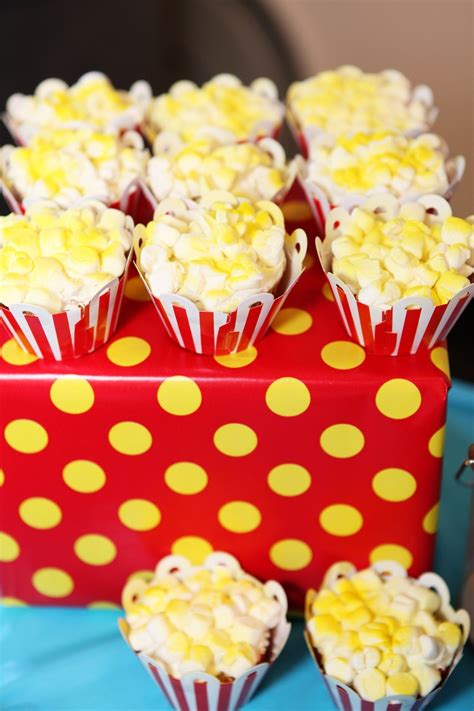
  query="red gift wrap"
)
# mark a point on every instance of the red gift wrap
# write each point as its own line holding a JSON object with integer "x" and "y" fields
{"x": 285, "y": 455}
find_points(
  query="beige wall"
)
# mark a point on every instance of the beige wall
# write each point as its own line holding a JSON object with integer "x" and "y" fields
{"x": 431, "y": 41}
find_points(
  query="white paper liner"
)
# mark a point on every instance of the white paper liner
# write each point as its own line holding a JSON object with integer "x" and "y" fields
{"x": 219, "y": 333}
{"x": 401, "y": 329}
{"x": 321, "y": 206}
{"x": 197, "y": 691}
{"x": 345, "y": 697}
{"x": 70, "y": 333}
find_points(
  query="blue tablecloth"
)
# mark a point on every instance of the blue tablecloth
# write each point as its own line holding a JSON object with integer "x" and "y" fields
{"x": 55, "y": 659}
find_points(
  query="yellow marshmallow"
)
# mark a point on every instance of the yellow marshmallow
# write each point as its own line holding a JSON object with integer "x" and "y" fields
{"x": 427, "y": 677}
{"x": 355, "y": 619}
{"x": 370, "y": 684}
{"x": 455, "y": 231}
{"x": 450, "y": 633}
{"x": 392, "y": 663}
{"x": 402, "y": 683}
{"x": 424, "y": 291}
{"x": 449, "y": 284}
{"x": 339, "y": 669}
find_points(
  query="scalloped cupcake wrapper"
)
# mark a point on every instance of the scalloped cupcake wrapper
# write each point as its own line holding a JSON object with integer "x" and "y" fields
{"x": 197, "y": 691}
{"x": 345, "y": 697}
{"x": 71, "y": 333}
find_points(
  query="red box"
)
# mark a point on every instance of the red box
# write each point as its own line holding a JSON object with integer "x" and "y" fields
{"x": 299, "y": 455}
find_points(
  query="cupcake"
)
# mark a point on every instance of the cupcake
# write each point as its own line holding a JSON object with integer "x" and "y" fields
{"x": 192, "y": 169}
{"x": 400, "y": 274}
{"x": 346, "y": 101}
{"x": 379, "y": 634}
{"x": 241, "y": 113}
{"x": 223, "y": 262}
{"x": 92, "y": 102}
{"x": 354, "y": 168}
{"x": 66, "y": 165}
{"x": 207, "y": 631}
{"x": 62, "y": 274}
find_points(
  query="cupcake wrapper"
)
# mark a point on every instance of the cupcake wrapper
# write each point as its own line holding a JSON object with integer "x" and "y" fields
{"x": 218, "y": 333}
{"x": 67, "y": 334}
{"x": 197, "y": 691}
{"x": 321, "y": 207}
{"x": 346, "y": 698}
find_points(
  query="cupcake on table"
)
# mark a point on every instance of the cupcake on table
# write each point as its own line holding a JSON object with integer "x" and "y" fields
{"x": 240, "y": 112}
{"x": 346, "y": 101}
{"x": 91, "y": 101}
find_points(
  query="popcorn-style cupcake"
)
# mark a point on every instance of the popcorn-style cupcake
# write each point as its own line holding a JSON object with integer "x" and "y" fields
{"x": 192, "y": 169}
{"x": 354, "y": 168}
{"x": 346, "y": 101}
{"x": 241, "y": 113}
{"x": 220, "y": 270}
{"x": 379, "y": 637}
{"x": 92, "y": 101}
{"x": 400, "y": 274}
{"x": 206, "y": 634}
{"x": 66, "y": 165}
{"x": 62, "y": 275}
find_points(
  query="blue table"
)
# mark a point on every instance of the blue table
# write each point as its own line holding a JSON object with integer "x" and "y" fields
{"x": 55, "y": 659}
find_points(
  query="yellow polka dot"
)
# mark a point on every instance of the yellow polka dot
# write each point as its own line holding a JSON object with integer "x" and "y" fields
{"x": 292, "y": 322}
{"x": 341, "y": 520}
{"x": 9, "y": 548}
{"x": 296, "y": 211}
{"x": 139, "y": 514}
{"x": 135, "y": 290}
{"x": 391, "y": 551}
{"x": 238, "y": 360}
{"x": 130, "y": 438}
{"x": 308, "y": 261}
{"x": 342, "y": 441}
{"x": 398, "y": 399}
{"x": 128, "y": 351}
{"x": 94, "y": 549}
{"x": 343, "y": 355}
{"x": 440, "y": 358}
{"x": 12, "y": 602}
{"x": 2, "y": 477}
{"x": 103, "y": 605}
{"x": 146, "y": 575}
{"x": 239, "y": 516}
{"x": 194, "y": 548}
{"x": 72, "y": 394}
{"x": 394, "y": 484}
{"x": 235, "y": 440}
{"x": 40, "y": 513}
{"x": 84, "y": 476}
{"x": 52, "y": 582}
{"x": 26, "y": 436}
{"x": 327, "y": 293}
{"x": 430, "y": 520}
{"x": 436, "y": 443}
{"x": 14, "y": 355}
{"x": 289, "y": 480}
{"x": 287, "y": 397}
{"x": 179, "y": 395}
{"x": 291, "y": 554}
{"x": 186, "y": 478}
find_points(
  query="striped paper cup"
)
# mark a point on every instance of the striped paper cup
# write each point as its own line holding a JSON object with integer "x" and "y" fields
{"x": 345, "y": 697}
{"x": 197, "y": 691}
{"x": 71, "y": 333}
{"x": 321, "y": 206}
{"x": 219, "y": 333}
{"x": 411, "y": 324}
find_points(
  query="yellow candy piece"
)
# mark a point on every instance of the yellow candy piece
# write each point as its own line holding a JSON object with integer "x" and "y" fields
{"x": 392, "y": 663}
{"x": 451, "y": 634}
{"x": 449, "y": 284}
{"x": 423, "y": 291}
{"x": 155, "y": 598}
{"x": 339, "y": 669}
{"x": 370, "y": 684}
{"x": 428, "y": 677}
{"x": 323, "y": 602}
{"x": 324, "y": 626}
{"x": 455, "y": 231}
{"x": 374, "y": 634}
{"x": 402, "y": 683}
{"x": 355, "y": 619}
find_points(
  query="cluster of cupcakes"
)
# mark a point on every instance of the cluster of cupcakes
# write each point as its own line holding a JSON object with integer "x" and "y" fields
{"x": 217, "y": 255}
{"x": 206, "y": 631}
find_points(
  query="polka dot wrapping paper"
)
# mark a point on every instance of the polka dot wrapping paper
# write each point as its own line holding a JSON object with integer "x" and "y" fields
{"x": 294, "y": 454}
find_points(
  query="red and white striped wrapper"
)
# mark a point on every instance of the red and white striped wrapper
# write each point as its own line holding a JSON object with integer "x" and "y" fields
{"x": 304, "y": 136}
{"x": 219, "y": 333}
{"x": 345, "y": 697}
{"x": 401, "y": 329}
{"x": 321, "y": 207}
{"x": 71, "y": 333}
{"x": 197, "y": 691}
